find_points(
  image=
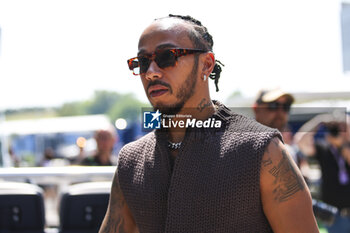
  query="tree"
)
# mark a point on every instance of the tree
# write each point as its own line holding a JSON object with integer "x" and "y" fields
{"x": 128, "y": 108}
{"x": 102, "y": 102}
{"x": 73, "y": 109}
{"x": 113, "y": 104}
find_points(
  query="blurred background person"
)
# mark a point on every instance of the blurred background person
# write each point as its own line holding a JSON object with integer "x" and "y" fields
{"x": 271, "y": 108}
{"x": 15, "y": 161}
{"x": 346, "y": 147}
{"x": 50, "y": 159}
{"x": 331, "y": 152}
{"x": 105, "y": 140}
{"x": 49, "y": 155}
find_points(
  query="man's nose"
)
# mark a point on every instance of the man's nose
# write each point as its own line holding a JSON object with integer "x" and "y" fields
{"x": 153, "y": 71}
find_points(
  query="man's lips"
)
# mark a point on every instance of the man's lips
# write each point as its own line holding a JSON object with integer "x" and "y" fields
{"x": 157, "y": 90}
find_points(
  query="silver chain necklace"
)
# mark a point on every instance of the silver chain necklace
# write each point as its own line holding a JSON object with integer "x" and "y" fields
{"x": 174, "y": 145}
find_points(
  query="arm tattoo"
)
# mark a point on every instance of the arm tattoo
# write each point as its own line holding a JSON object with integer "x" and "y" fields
{"x": 267, "y": 162}
{"x": 115, "y": 221}
{"x": 287, "y": 182}
{"x": 203, "y": 104}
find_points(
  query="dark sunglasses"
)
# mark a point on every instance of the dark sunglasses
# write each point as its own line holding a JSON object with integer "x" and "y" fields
{"x": 274, "y": 106}
{"x": 163, "y": 58}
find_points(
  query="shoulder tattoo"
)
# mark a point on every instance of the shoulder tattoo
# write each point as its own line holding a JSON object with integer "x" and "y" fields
{"x": 287, "y": 182}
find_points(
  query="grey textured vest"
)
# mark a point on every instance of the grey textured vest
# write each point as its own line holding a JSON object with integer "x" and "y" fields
{"x": 215, "y": 183}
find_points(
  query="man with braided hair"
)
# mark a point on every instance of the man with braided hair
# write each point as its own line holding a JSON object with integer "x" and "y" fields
{"x": 234, "y": 177}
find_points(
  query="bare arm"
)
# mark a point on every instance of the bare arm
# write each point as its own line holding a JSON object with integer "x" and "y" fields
{"x": 118, "y": 218}
{"x": 285, "y": 197}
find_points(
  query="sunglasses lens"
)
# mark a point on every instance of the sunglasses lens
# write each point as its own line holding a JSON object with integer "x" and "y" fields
{"x": 286, "y": 107}
{"x": 144, "y": 64}
{"x": 274, "y": 106}
{"x": 165, "y": 59}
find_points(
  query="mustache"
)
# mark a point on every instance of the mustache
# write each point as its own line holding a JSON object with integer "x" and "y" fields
{"x": 159, "y": 82}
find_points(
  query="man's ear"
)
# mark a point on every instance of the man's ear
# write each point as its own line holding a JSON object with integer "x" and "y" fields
{"x": 208, "y": 63}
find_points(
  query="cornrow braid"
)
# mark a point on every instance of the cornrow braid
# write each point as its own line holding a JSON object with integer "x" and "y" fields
{"x": 202, "y": 40}
{"x": 203, "y": 36}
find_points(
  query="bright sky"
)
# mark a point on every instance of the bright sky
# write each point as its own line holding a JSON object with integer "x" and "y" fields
{"x": 54, "y": 51}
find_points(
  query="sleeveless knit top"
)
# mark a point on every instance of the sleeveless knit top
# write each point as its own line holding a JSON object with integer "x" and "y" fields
{"x": 214, "y": 185}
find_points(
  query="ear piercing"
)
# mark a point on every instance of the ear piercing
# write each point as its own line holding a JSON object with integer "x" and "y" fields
{"x": 204, "y": 77}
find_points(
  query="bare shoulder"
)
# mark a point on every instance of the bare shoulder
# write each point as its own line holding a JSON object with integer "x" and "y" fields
{"x": 285, "y": 196}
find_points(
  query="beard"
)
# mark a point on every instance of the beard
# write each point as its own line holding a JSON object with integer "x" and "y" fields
{"x": 185, "y": 92}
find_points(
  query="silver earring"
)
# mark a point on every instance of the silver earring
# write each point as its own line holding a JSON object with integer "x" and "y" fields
{"x": 204, "y": 77}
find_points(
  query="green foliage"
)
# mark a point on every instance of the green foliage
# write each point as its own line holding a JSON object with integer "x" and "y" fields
{"x": 113, "y": 104}
{"x": 28, "y": 160}
{"x": 73, "y": 109}
{"x": 102, "y": 102}
{"x": 29, "y": 113}
{"x": 128, "y": 107}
